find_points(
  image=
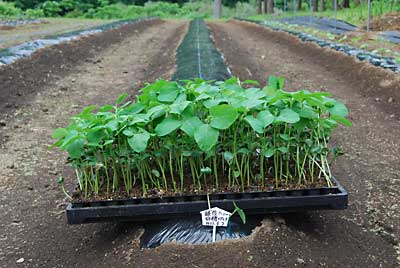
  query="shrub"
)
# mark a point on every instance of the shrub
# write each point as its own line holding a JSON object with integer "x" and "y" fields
{"x": 51, "y": 9}
{"x": 34, "y": 13}
{"x": 9, "y": 10}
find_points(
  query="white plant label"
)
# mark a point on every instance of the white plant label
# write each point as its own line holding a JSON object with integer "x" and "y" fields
{"x": 215, "y": 217}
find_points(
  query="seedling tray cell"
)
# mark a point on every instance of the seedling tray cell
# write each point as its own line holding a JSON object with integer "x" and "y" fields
{"x": 142, "y": 209}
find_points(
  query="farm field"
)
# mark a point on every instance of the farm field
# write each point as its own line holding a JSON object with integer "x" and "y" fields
{"x": 15, "y": 35}
{"x": 41, "y": 93}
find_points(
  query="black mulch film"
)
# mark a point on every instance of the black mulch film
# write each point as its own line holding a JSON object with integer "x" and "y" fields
{"x": 197, "y": 56}
{"x": 361, "y": 54}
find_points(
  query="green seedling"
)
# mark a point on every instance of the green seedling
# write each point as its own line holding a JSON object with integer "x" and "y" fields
{"x": 201, "y": 135}
{"x": 60, "y": 181}
{"x": 240, "y": 212}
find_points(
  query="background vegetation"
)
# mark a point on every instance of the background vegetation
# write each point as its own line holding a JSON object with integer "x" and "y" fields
{"x": 351, "y": 10}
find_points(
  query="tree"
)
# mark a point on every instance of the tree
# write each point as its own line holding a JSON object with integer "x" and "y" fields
{"x": 299, "y": 3}
{"x": 217, "y": 9}
{"x": 346, "y": 3}
{"x": 315, "y": 5}
{"x": 269, "y": 6}
{"x": 322, "y": 5}
{"x": 259, "y": 7}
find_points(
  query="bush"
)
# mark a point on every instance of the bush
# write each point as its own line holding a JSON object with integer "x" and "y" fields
{"x": 9, "y": 9}
{"x": 51, "y": 9}
{"x": 34, "y": 13}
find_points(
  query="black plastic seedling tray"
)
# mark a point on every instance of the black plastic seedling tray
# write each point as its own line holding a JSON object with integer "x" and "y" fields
{"x": 142, "y": 209}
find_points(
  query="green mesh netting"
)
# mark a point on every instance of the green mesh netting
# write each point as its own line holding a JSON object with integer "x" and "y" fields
{"x": 197, "y": 56}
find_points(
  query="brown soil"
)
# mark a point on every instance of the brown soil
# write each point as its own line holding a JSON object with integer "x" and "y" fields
{"x": 369, "y": 168}
{"x": 97, "y": 70}
{"x": 33, "y": 225}
{"x": 27, "y": 76}
{"x": 6, "y": 27}
{"x": 387, "y": 22}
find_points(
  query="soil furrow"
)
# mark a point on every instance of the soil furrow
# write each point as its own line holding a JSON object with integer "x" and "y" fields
{"x": 33, "y": 224}
{"x": 369, "y": 168}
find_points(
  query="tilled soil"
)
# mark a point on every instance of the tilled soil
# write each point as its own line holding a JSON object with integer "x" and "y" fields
{"x": 368, "y": 233}
{"x": 33, "y": 229}
{"x": 33, "y": 225}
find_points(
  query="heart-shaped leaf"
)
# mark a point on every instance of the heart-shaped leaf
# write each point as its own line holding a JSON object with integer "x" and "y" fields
{"x": 206, "y": 137}
{"x": 223, "y": 116}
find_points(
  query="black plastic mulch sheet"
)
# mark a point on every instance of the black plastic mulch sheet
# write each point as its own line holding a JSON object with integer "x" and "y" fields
{"x": 325, "y": 24}
{"x": 361, "y": 54}
{"x": 197, "y": 56}
{"x": 190, "y": 231}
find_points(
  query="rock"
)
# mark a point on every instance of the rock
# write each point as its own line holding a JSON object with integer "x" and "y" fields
{"x": 20, "y": 260}
{"x": 53, "y": 172}
{"x": 11, "y": 166}
{"x": 390, "y": 100}
{"x": 45, "y": 110}
{"x": 2, "y": 124}
{"x": 300, "y": 261}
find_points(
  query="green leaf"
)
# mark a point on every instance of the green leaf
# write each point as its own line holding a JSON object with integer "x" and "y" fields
{"x": 206, "y": 137}
{"x": 105, "y": 108}
{"x": 276, "y": 82}
{"x": 112, "y": 125}
{"x": 223, "y": 116}
{"x": 157, "y": 111}
{"x": 168, "y": 125}
{"x": 75, "y": 148}
{"x": 134, "y": 108}
{"x": 338, "y": 109}
{"x": 189, "y": 125}
{"x": 251, "y": 103}
{"x": 250, "y": 82}
{"x": 283, "y": 149}
{"x": 94, "y": 136}
{"x": 121, "y": 98}
{"x": 266, "y": 117}
{"x": 288, "y": 116}
{"x": 206, "y": 170}
{"x": 228, "y": 156}
{"x": 255, "y": 123}
{"x": 240, "y": 212}
{"x": 269, "y": 152}
{"x": 59, "y": 133}
{"x": 341, "y": 120}
{"x": 138, "y": 141}
{"x": 168, "y": 92}
{"x": 178, "y": 107}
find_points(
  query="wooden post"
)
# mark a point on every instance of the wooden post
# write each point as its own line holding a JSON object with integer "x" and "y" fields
{"x": 217, "y": 9}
